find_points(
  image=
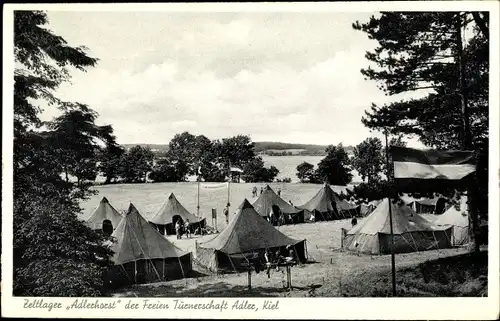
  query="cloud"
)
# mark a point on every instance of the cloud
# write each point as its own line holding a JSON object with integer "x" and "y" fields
{"x": 289, "y": 77}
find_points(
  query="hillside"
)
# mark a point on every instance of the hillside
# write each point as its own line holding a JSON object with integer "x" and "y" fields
{"x": 277, "y": 148}
{"x": 268, "y": 148}
{"x": 154, "y": 147}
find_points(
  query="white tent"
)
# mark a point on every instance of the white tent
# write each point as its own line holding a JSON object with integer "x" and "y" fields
{"x": 411, "y": 232}
{"x": 457, "y": 217}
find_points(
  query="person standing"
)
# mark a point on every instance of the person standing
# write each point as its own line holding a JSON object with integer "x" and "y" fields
{"x": 226, "y": 213}
{"x": 261, "y": 190}
{"x": 178, "y": 229}
{"x": 279, "y": 192}
{"x": 187, "y": 228}
{"x": 269, "y": 261}
{"x": 354, "y": 221}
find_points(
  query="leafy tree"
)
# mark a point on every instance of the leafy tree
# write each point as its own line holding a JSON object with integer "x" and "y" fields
{"x": 430, "y": 51}
{"x": 195, "y": 151}
{"x": 212, "y": 172}
{"x": 237, "y": 150}
{"x": 136, "y": 164}
{"x": 186, "y": 148}
{"x": 166, "y": 170}
{"x": 368, "y": 159}
{"x": 48, "y": 237}
{"x": 77, "y": 136}
{"x": 374, "y": 190}
{"x": 305, "y": 172}
{"x": 110, "y": 159}
{"x": 334, "y": 167}
{"x": 254, "y": 171}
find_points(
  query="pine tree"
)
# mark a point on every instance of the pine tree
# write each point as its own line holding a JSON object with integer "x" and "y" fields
{"x": 446, "y": 55}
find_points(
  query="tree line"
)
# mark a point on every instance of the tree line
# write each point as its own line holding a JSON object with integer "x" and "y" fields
{"x": 187, "y": 155}
{"x": 368, "y": 160}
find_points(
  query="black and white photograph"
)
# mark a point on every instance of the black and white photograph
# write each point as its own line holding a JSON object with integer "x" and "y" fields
{"x": 232, "y": 153}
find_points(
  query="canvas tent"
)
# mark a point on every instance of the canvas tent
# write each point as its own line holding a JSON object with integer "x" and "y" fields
{"x": 326, "y": 205}
{"x": 171, "y": 211}
{"x": 365, "y": 209}
{"x": 269, "y": 201}
{"x": 143, "y": 255}
{"x": 456, "y": 216}
{"x": 104, "y": 216}
{"x": 411, "y": 232}
{"x": 247, "y": 233}
{"x": 435, "y": 205}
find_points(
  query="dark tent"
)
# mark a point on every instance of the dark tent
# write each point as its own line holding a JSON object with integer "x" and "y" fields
{"x": 143, "y": 255}
{"x": 104, "y": 216}
{"x": 246, "y": 234}
{"x": 327, "y": 205}
{"x": 269, "y": 202}
{"x": 171, "y": 211}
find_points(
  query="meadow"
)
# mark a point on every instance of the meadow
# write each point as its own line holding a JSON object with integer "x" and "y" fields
{"x": 149, "y": 197}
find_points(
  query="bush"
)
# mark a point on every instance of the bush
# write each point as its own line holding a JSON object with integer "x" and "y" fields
{"x": 55, "y": 254}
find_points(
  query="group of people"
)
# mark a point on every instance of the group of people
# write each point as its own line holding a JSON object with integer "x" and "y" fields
{"x": 181, "y": 229}
{"x": 254, "y": 191}
{"x": 271, "y": 260}
{"x": 255, "y": 194}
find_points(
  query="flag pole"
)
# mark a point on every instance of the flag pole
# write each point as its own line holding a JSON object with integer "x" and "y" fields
{"x": 393, "y": 259}
{"x": 198, "y": 204}
{"x": 198, "y": 207}
{"x": 228, "y": 185}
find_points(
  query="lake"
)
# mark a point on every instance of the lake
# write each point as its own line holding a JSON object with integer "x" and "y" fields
{"x": 288, "y": 165}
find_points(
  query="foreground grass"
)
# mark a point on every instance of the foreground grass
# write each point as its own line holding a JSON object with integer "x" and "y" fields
{"x": 464, "y": 275}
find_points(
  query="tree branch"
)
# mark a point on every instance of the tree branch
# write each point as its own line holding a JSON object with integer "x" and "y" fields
{"x": 481, "y": 24}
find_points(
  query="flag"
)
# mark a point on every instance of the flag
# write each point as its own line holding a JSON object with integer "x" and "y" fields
{"x": 236, "y": 169}
{"x": 444, "y": 165}
{"x": 214, "y": 186}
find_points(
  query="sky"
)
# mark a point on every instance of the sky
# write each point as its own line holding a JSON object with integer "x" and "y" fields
{"x": 290, "y": 77}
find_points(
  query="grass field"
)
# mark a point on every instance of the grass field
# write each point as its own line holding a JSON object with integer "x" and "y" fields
{"x": 148, "y": 198}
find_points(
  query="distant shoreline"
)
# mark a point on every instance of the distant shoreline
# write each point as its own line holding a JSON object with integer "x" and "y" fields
{"x": 264, "y": 148}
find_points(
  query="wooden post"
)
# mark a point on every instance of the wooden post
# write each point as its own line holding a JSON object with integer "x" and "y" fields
{"x": 135, "y": 271}
{"x": 289, "y": 276}
{"x": 198, "y": 204}
{"x": 249, "y": 278}
{"x": 393, "y": 259}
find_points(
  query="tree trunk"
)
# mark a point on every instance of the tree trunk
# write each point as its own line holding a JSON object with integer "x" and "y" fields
{"x": 466, "y": 140}
{"x": 481, "y": 23}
